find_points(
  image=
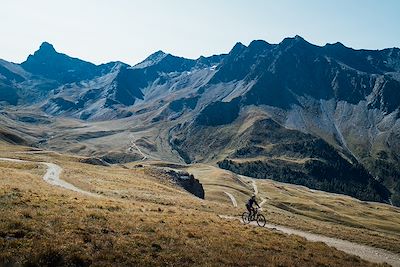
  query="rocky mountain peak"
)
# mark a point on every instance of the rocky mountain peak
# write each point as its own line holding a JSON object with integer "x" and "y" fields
{"x": 337, "y": 44}
{"x": 48, "y": 63}
{"x": 296, "y": 41}
{"x": 46, "y": 47}
{"x": 151, "y": 60}
{"x": 45, "y": 51}
{"x": 259, "y": 44}
{"x": 237, "y": 48}
{"x": 157, "y": 54}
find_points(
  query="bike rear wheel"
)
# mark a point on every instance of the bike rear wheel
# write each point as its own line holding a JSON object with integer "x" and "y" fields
{"x": 246, "y": 217}
{"x": 261, "y": 221}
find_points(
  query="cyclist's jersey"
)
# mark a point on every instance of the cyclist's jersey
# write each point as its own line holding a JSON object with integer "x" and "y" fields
{"x": 251, "y": 202}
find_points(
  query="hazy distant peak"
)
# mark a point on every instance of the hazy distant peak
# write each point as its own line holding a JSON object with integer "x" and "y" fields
{"x": 296, "y": 41}
{"x": 156, "y": 56}
{"x": 153, "y": 59}
{"x": 238, "y": 45}
{"x": 45, "y": 46}
{"x": 299, "y": 38}
{"x": 158, "y": 53}
{"x": 259, "y": 45}
{"x": 337, "y": 44}
{"x": 237, "y": 48}
{"x": 45, "y": 50}
{"x": 49, "y": 63}
{"x": 258, "y": 42}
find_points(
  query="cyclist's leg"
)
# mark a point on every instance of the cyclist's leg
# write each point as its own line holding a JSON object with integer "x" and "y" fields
{"x": 249, "y": 210}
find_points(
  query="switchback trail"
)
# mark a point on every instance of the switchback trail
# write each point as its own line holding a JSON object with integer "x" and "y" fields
{"x": 368, "y": 253}
{"x": 233, "y": 199}
{"x": 134, "y": 146}
{"x": 255, "y": 189}
{"x": 52, "y": 176}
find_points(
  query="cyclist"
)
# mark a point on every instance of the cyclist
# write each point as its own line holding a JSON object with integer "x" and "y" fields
{"x": 249, "y": 205}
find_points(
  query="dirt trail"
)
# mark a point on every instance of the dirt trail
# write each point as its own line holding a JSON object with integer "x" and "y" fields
{"x": 134, "y": 146}
{"x": 365, "y": 252}
{"x": 52, "y": 176}
{"x": 263, "y": 200}
{"x": 255, "y": 189}
{"x": 233, "y": 199}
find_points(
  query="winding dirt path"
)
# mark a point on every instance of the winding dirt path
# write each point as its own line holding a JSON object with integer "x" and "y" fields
{"x": 365, "y": 252}
{"x": 134, "y": 146}
{"x": 263, "y": 200}
{"x": 255, "y": 189}
{"x": 368, "y": 253}
{"x": 233, "y": 199}
{"x": 52, "y": 176}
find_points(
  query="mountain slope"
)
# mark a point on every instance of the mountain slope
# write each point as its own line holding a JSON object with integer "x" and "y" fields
{"x": 47, "y": 62}
{"x": 336, "y": 100}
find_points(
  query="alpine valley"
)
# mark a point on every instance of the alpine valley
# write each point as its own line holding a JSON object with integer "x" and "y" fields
{"x": 326, "y": 117}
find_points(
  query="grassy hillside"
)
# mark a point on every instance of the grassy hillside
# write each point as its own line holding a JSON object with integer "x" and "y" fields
{"x": 139, "y": 218}
{"x": 258, "y": 146}
{"x": 299, "y": 207}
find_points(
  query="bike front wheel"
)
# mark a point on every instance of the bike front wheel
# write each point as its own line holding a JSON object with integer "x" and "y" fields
{"x": 261, "y": 221}
{"x": 246, "y": 217}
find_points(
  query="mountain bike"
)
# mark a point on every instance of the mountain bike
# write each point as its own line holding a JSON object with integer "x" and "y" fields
{"x": 256, "y": 216}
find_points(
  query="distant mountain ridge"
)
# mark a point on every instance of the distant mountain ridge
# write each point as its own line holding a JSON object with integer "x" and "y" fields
{"x": 343, "y": 101}
{"x": 50, "y": 64}
{"x": 320, "y": 74}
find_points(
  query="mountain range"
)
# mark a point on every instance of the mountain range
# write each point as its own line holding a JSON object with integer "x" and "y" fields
{"x": 326, "y": 117}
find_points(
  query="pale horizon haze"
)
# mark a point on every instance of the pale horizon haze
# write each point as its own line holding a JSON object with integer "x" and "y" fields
{"x": 100, "y": 31}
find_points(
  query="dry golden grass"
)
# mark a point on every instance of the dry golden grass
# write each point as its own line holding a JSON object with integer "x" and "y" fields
{"x": 216, "y": 182}
{"x": 141, "y": 219}
{"x": 319, "y": 212}
{"x": 333, "y": 215}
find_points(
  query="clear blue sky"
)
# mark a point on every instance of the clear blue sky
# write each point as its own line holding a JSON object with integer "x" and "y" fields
{"x": 129, "y": 30}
